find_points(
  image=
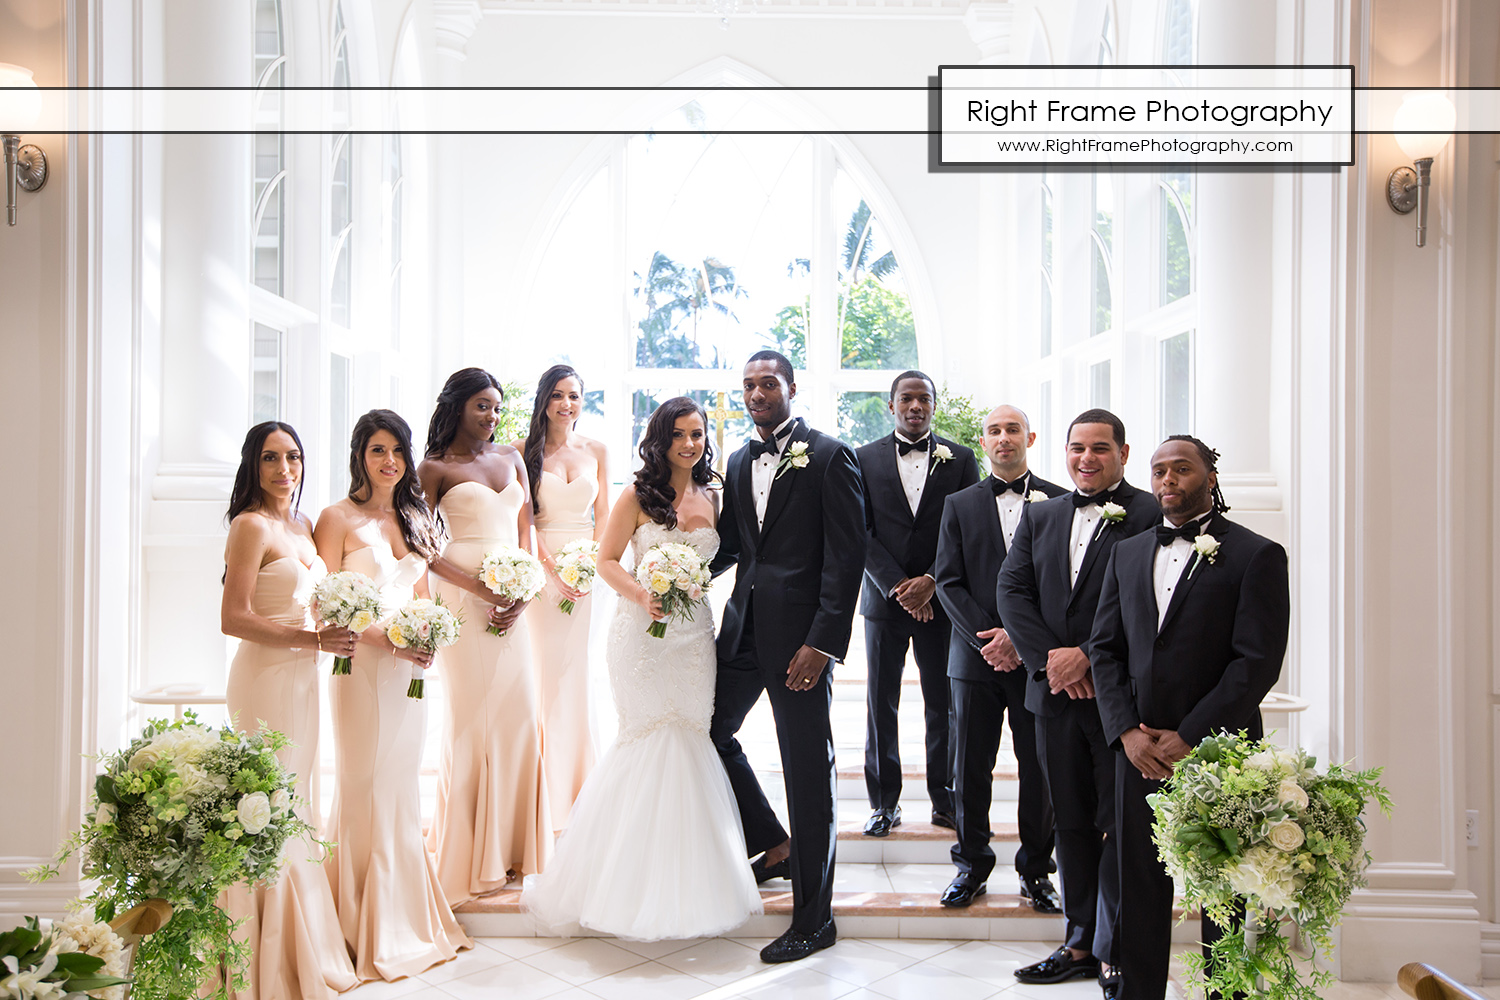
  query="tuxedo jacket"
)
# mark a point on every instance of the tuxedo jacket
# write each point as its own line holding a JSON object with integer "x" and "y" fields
{"x": 971, "y": 549}
{"x": 901, "y": 544}
{"x": 801, "y": 569}
{"x": 1219, "y": 648}
{"x": 1042, "y": 609}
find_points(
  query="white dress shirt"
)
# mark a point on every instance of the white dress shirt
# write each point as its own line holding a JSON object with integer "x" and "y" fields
{"x": 763, "y": 473}
{"x": 913, "y": 469}
{"x": 1085, "y": 524}
{"x": 1010, "y": 506}
{"x": 1166, "y": 572}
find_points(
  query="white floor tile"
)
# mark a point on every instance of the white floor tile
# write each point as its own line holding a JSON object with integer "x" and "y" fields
{"x": 648, "y": 981}
{"x": 919, "y": 878}
{"x": 719, "y": 961}
{"x": 522, "y": 947}
{"x": 381, "y": 990}
{"x": 859, "y": 962}
{"x": 658, "y": 949}
{"x": 426, "y": 993}
{"x": 919, "y": 948}
{"x": 860, "y": 878}
{"x": 925, "y": 981}
{"x": 792, "y": 982}
{"x": 584, "y": 960}
{"x": 514, "y": 981}
{"x": 1074, "y": 989}
{"x": 465, "y": 964}
{"x": 982, "y": 960}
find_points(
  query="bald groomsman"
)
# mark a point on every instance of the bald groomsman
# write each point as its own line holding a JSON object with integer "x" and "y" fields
{"x": 1189, "y": 637}
{"x": 1048, "y": 592}
{"x": 985, "y": 677}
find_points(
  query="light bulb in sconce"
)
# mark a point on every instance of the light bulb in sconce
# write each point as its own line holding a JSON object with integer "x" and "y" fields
{"x": 1423, "y": 125}
{"x": 20, "y": 107}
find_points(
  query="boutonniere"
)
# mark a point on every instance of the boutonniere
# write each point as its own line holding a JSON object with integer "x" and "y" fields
{"x": 796, "y": 457}
{"x": 1036, "y": 496}
{"x": 1204, "y": 547}
{"x": 942, "y": 453}
{"x": 1109, "y": 514}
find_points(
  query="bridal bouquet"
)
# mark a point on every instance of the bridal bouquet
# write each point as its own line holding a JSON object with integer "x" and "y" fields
{"x": 425, "y": 625}
{"x": 183, "y": 813}
{"x": 512, "y": 573}
{"x": 1245, "y": 818}
{"x": 678, "y": 575}
{"x": 349, "y": 599}
{"x": 73, "y": 958}
{"x": 577, "y": 564}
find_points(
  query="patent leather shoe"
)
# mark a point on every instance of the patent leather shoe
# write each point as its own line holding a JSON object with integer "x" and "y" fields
{"x": 1059, "y": 967}
{"x": 945, "y": 820}
{"x": 764, "y": 872}
{"x": 882, "y": 822}
{"x": 962, "y": 891}
{"x": 1042, "y": 893}
{"x": 794, "y": 945}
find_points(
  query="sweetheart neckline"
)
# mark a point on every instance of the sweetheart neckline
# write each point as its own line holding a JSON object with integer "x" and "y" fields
{"x": 299, "y": 562}
{"x": 484, "y": 486}
{"x": 565, "y": 482}
{"x": 364, "y": 548}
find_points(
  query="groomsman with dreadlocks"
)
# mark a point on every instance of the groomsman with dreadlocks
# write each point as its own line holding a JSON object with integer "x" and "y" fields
{"x": 1188, "y": 638}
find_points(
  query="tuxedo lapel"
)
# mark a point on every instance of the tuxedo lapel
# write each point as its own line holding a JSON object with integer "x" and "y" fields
{"x": 993, "y": 527}
{"x": 744, "y": 496}
{"x": 935, "y": 471}
{"x": 781, "y": 485}
{"x": 1197, "y": 567}
{"x": 1097, "y": 544}
{"x": 888, "y": 476}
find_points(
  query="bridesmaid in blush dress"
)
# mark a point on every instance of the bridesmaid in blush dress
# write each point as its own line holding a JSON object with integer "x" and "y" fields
{"x": 270, "y": 568}
{"x": 491, "y": 821}
{"x": 394, "y": 915}
{"x": 569, "y": 501}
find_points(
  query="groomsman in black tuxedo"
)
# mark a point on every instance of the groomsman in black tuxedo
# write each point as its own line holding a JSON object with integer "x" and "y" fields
{"x": 984, "y": 669}
{"x": 794, "y": 522}
{"x": 1047, "y": 594}
{"x": 907, "y": 475}
{"x": 1189, "y": 637}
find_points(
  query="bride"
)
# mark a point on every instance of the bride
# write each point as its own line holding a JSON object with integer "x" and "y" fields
{"x": 653, "y": 847}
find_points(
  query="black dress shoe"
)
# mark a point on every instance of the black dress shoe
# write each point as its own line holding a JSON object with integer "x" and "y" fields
{"x": 962, "y": 891}
{"x": 1059, "y": 967}
{"x": 1110, "y": 985}
{"x": 945, "y": 820}
{"x": 764, "y": 873}
{"x": 882, "y": 822}
{"x": 794, "y": 945}
{"x": 1042, "y": 893}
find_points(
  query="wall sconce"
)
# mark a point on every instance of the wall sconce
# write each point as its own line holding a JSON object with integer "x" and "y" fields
{"x": 20, "y": 104}
{"x": 1424, "y": 123}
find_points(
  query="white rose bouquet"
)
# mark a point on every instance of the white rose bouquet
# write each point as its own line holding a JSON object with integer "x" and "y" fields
{"x": 512, "y": 573}
{"x": 678, "y": 575}
{"x": 183, "y": 813}
{"x": 71, "y": 959}
{"x": 349, "y": 599}
{"x": 1245, "y": 818}
{"x": 425, "y": 625}
{"x": 577, "y": 565}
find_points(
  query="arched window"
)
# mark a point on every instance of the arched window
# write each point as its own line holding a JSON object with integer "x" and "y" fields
{"x": 1175, "y": 205}
{"x": 1178, "y": 37}
{"x": 268, "y": 199}
{"x": 1102, "y": 238}
{"x": 1105, "y": 55}
{"x": 1044, "y": 341}
{"x": 397, "y": 180}
{"x": 341, "y": 185}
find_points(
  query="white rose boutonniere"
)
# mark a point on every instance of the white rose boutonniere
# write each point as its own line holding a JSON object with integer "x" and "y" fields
{"x": 1204, "y": 547}
{"x": 1109, "y": 514}
{"x": 796, "y": 457}
{"x": 1036, "y": 496}
{"x": 942, "y": 453}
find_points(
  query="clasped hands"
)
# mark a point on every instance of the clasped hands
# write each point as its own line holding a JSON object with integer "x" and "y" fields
{"x": 915, "y": 596}
{"x": 1068, "y": 670}
{"x": 1154, "y": 752}
{"x": 503, "y": 613}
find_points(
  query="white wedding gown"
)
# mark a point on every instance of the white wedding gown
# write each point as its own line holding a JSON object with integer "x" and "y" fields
{"x": 653, "y": 847}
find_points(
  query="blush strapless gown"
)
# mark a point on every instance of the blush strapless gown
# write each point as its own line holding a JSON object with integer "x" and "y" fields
{"x": 292, "y": 927}
{"x": 560, "y": 647}
{"x": 491, "y": 818}
{"x": 392, "y": 910}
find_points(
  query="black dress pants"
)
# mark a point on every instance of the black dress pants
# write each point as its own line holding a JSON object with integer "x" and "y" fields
{"x": 886, "y": 642}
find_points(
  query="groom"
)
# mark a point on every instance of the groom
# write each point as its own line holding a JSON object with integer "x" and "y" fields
{"x": 794, "y": 521}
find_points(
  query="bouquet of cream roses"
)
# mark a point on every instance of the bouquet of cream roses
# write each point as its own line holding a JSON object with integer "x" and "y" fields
{"x": 425, "y": 625}
{"x": 73, "y": 958}
{"x": 183, "y": 813}
{"x": 1243, "y": 818}
{"x": 678, "y": 575}
{"x": 349, "y": 599}
{"x": 576, "y": 566}
{"x": 512, "y": 573}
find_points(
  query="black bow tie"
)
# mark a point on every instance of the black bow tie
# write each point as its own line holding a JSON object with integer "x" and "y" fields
{"x": 1166, "y": 534}
{"x": 770, "y": 445}
{"x": 1001, "y": 486}
{"x": 903, "y": 446}
{"x": 1101, "y": 498}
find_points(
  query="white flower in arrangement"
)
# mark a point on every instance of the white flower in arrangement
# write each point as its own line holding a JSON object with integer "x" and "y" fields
{"x": 281, "y": 801}
{"x": 198, "y": 781}
{"x": 1036, "y": 496}
{"x": 1286, "y": 836}
{"x": 1290, "y": 793}
{"x": 677, "y": 574}
{"x": 425, "y": 625}
{"x": 31, "y": 984}
{"x": 576, "y": 566}
{"x": 942, "y": 453}
{"x": 349, "y": 599}
{"x": 512, "y": 573}
{"x": 254, "y": 812}
{"x": 1265, "y": 873}
{"x": 1109, "y": 514}
{"x": 1205, "y": 546}
{"x": 797, "y": 456}
{"x": 106, "y": 814}
{"x": 80, "y": 934}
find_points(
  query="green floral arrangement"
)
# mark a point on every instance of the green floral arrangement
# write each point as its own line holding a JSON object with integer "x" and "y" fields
{"x": 1245, "y": 820}
{"x": 75, "y": 958}
{"x": 183, "y": 813}
{"x": 959, "y": 419}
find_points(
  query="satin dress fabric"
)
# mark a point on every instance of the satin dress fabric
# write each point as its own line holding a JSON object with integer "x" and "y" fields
{"x": 492, "y": 819}
{"x": 292, "y": 926}
{"x": 391, "y": 908}
{"x": 560, "y": 646}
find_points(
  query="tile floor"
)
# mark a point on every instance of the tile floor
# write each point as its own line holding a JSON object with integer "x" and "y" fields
{"x": 730, "y": 969}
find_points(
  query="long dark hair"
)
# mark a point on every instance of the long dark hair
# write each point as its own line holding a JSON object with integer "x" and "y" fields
{"x": 247, "y": 494}
{"x": 653, "y": 481}
{"x": 412, "y": 515}
{"x": 536, "y": 437}
{"x": 461, "y": 386}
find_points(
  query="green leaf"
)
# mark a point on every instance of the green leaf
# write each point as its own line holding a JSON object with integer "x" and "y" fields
{"x": 104, "y": 789}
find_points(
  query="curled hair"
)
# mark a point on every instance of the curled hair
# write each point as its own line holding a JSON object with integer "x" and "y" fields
{"x": 1100, "y": 416}
{"x": 783, "y": 366}
{"x": 415, "y": 520}
{"x": 653, "y": 481}
{"x": 461, "y": 386}
{"x": 246, "y": 493}
{"x": 536, "y": 437}
{"x": 913, "y": 373}
{"x": 1211, "y": 459}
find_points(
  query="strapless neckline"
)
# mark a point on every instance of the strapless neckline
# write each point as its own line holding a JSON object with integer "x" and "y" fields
{"x": 484, "y": 486}
{"x": 299, "y": 562}
{"x": 582, "y": 478}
